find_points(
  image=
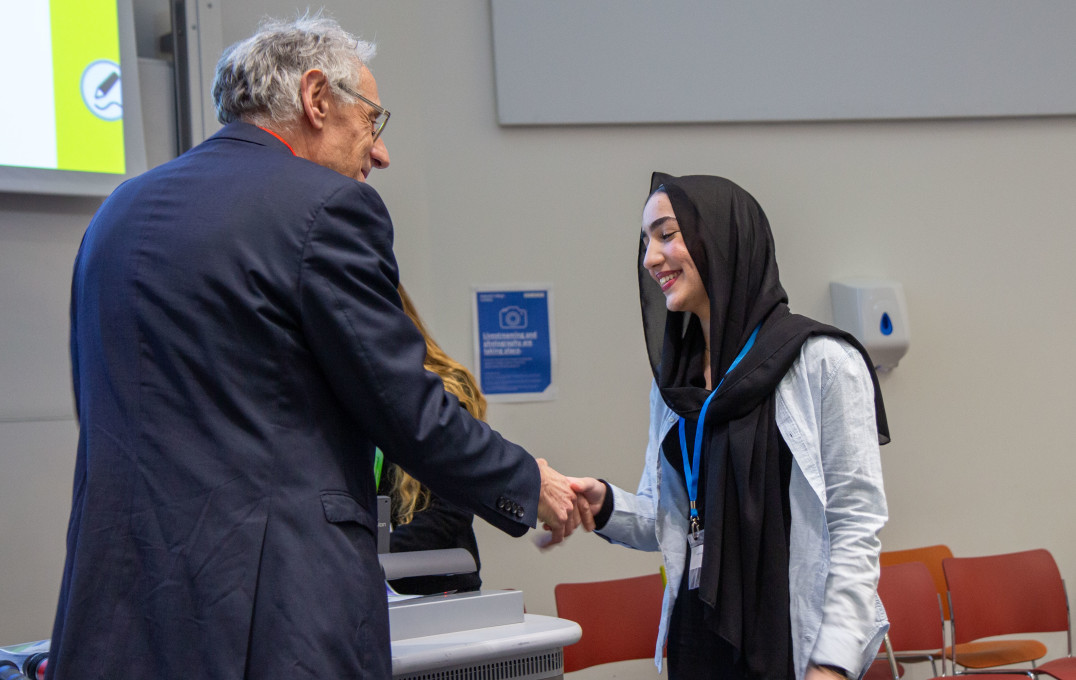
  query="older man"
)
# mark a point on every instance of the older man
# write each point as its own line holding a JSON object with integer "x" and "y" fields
{"x": 238, "y": 350}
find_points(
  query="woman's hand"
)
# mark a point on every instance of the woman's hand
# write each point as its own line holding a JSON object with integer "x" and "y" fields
{"x": 590, "y": 496}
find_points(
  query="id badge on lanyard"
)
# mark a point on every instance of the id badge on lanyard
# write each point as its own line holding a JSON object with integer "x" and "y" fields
{"x": 691, "y": 475}
{"x": 694, "y": 564}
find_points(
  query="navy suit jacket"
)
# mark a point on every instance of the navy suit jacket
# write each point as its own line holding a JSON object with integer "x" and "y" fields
{"x": 238, "y": 350}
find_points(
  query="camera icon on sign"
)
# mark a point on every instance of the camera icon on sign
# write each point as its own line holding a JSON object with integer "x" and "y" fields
{"x": 513, "y": 317}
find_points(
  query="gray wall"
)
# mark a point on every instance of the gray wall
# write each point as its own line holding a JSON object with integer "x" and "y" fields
{"x": 973, "y": 217}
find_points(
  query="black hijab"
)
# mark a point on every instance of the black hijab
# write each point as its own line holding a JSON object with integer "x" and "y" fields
{"x": 745, "y": 559}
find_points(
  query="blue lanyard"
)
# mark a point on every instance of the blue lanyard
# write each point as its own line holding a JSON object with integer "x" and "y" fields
{"x": 691, "y": 472}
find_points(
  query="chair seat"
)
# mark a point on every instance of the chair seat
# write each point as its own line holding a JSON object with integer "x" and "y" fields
{"x": 990, "y": 653}
{"x": 1062, "y": 669}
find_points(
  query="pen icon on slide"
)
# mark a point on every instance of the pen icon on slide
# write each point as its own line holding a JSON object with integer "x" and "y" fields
{"x": 106, "y": 85}
{"x": 102, "y": 89}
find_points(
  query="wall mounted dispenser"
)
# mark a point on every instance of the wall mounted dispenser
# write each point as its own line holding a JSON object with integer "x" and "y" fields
{"x": 874, "y": 311}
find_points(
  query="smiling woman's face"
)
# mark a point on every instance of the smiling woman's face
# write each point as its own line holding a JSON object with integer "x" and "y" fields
{"x": 669, "y": 262}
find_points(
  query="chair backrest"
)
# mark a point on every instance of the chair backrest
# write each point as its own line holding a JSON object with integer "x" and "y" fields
{"x": 911, "y": 602}
{"x": 1006, "y": 594}
{"x": 932, "y": 556}
{"x": 619, "y": 619}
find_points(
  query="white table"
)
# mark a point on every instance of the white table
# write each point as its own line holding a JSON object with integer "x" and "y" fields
{"x": 531, "y": 650}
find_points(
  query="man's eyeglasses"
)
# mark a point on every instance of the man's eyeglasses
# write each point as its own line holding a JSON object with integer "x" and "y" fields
{"x": 382, "y": 113}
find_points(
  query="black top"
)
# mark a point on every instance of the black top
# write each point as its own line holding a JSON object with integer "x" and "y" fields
{"x": 441, "y": 525}
{"x": 670, "y": 447}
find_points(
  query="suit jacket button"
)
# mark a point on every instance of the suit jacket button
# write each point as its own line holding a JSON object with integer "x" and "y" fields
{"x": 519, "y": 512}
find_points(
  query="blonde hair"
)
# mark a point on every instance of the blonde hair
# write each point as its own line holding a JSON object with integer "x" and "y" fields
{"x": 408, "y": 494}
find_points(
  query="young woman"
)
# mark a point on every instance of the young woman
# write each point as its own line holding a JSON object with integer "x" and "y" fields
{"x": 422, "y": 520}
{"x": 762, "y": 484}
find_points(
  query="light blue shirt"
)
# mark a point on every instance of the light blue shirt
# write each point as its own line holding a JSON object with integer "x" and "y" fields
{"x": 825, "y": 412}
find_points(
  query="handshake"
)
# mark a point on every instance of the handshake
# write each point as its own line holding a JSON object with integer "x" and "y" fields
{"x": 565, "y": 503}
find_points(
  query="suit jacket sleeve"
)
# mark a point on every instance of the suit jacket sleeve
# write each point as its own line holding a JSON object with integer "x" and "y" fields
{"x": 372, "y": 355}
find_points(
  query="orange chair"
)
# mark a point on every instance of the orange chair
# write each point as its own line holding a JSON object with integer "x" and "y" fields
{"x": 619, "y": 619}
{"x": 931, "y": 556}
{"x": 916, "y": 627}
{"x": 1010, "y": 594}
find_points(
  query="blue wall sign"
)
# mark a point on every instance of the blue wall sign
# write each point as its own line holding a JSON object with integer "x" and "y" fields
{"x": 514, "y": 343}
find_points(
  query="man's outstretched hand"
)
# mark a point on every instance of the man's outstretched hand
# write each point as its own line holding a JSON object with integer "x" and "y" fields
{"x": 558, "y": 507}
